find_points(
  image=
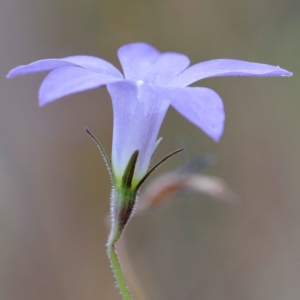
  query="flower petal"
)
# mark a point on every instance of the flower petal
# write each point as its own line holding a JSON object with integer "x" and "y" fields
{"x": 166, "y": 67}
{"x": 38, "y": 66}
{"x": 68, "y": 80}
{"x": 201, "y": 106}
{"x": 94, "y": 64}
{"x": 138, "y": 114}
{"x": 91, "y": 63}
{"x": 226, "y": 67}
{"x": 136, "y": 59}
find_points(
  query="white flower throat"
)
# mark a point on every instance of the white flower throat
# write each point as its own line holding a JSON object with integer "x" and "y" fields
{"x": 139, "y": 84}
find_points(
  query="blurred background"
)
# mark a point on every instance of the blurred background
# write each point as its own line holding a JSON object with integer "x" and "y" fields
{"x": 54, "y": 188}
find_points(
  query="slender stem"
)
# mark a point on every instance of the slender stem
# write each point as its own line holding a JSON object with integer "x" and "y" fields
{"x": 116, "y": 265}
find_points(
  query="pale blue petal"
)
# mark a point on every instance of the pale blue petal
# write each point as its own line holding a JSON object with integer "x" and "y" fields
{"x": 201, "y": 106}
{"x": 137, "y": 59}
{"x": 94, "y": 64}
{"x": 226, "y": 67}
{"x": 166, "y": 67}
{"x": 69, "y": 80}
{"x": 88, "y": 62}
{"x": 138, "y": 114}
{"x": 38, "y": 66}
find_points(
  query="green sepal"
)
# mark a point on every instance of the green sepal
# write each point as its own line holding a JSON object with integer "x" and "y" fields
{"x": 129, "y": 171}
{"x": 155, "y": 167}
{"x": 125, "y": 194}
{"x": 104, "y": 155}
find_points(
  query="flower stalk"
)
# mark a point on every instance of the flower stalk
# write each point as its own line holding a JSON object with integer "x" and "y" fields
{"x": 117, "y": 269}
{"x": 122, "y": 203}
{"x": 121, "y": 211}
{"x": 115, "y": 233}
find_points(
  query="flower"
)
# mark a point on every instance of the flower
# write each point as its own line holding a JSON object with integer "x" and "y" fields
{"x": 152, "y": 81}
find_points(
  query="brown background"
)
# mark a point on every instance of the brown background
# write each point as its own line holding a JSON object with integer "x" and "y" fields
{"x": 54, "y": 189}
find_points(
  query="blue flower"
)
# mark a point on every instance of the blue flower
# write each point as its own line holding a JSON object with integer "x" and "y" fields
{"x": 152, "y": 81}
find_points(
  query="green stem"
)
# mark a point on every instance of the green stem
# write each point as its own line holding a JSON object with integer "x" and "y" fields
{"x": 116, "y": 265}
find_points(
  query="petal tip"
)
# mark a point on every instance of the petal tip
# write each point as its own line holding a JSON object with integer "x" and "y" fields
{"x": 42, "y": 101}
{"x": 11, "y": 73}
{"x": 217, "y": 136}
{"x": 44, "y": 97}
{"x": 284, "y": 73}
{"x": 288, "y": 74}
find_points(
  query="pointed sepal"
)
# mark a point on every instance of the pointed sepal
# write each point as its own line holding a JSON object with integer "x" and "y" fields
{"x": 129, "y": 171}
{"x": 156, "y": 166}
{"x": 104, "y": 155}
{"x": 124, "y": 196}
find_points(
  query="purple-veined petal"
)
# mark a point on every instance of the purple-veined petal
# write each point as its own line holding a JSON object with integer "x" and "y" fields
{"x": 69, "y": 80}
{"x": 201, "y": 106}
{"x": 91, "y": 63}
{"x": 226, "y": 67}
{"x": 138, "y": 114}
{"x": 166, "y": 67}
{"x": 137, "y": 59}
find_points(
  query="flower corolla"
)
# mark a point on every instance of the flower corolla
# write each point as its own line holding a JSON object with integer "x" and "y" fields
{"x": 150, "y": 83}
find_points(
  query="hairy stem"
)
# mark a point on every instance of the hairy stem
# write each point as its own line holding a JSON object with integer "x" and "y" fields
{"x": 116, "y": 265}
